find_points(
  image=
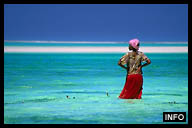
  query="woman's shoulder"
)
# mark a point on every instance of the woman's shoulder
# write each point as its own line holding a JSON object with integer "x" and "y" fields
{"x": 131, "y": 53}
{"x": 140, "y": 53}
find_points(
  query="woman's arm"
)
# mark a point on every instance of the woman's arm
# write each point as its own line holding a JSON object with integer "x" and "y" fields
{"x": 119, "y": 63}
{"x": 148, "y": 62}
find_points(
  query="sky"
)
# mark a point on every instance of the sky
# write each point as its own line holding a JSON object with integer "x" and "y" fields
{"x": 96, "y": 22}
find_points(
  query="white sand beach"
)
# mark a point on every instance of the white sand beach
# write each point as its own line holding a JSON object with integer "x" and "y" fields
{"x": 61, "y": 49}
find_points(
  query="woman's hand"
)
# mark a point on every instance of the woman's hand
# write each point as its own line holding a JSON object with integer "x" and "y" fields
{"x": 139, "y": 69}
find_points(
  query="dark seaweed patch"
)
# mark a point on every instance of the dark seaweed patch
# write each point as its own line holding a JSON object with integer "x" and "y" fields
{"x": 32, "y": 100}
{"x": 169, "y": 94}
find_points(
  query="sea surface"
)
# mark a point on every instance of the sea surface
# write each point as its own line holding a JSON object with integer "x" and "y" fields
{"x": 36, "y": 86}
{"x": 88, "y": 44}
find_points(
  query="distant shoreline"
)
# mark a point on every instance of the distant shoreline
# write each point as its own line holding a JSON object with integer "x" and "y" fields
{"x": 35, "y": 49}
{"x": 96, "y": 42}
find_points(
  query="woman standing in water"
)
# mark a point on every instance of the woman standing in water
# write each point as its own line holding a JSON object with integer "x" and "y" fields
{"x": 134, "y": 80}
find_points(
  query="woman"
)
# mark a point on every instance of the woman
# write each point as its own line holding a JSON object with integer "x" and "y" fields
{"x": 134, "y": 80}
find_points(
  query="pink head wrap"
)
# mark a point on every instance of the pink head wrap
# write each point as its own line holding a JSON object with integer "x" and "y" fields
{"x": 134, "y": 43}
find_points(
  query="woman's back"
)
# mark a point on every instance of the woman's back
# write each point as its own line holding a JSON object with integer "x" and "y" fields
{"x": 134, "y": 80}
{"x": 133, "y": 61}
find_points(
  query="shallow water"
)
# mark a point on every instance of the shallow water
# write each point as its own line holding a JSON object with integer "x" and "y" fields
{"x": 100, "y": 44}
{"x": 36, "y": 86}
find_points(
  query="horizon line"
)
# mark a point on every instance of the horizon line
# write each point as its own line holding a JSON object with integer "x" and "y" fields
{"x": 52, "y": 41}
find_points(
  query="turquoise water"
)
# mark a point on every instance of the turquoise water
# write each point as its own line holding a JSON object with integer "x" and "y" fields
{"x": 103, "y": 44}
{"x": 36, "y": 86}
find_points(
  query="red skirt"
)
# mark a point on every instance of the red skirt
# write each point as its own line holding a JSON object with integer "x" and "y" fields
{"x": 133, "y": 87}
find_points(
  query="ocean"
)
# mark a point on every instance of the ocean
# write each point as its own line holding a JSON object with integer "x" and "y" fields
{"x": 36, "y": 87}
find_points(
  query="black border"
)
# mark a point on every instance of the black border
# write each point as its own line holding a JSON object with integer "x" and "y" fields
{"x": 189, "y": 2}
{"x": 189, "y": 61}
